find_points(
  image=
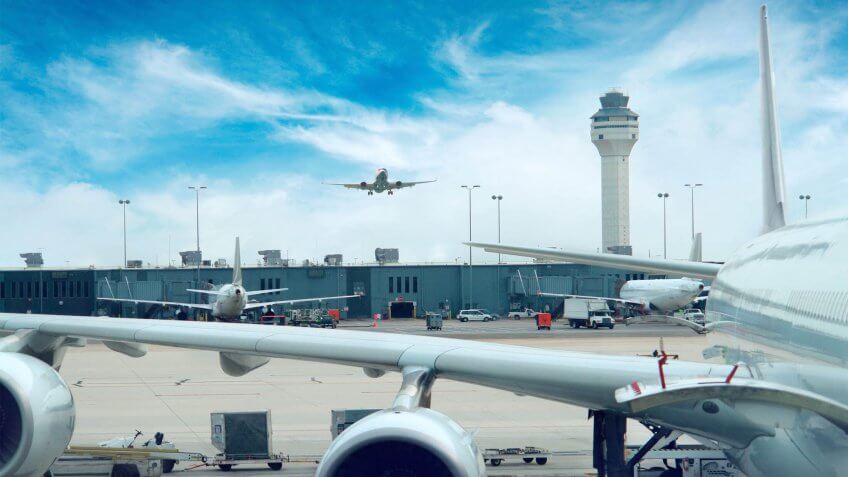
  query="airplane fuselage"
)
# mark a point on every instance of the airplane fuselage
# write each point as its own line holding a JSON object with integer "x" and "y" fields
{"x": 785, "y": 295}
{"x": 381, "y": 181}
{"x": 230, "y": 302}
{"x": 665, "y": 295}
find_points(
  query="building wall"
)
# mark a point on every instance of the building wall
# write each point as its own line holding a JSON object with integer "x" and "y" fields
{"x": 431, "y": 287}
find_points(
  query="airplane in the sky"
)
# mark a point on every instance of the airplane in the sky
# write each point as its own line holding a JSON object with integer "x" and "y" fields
{"x": 774, "y": 400}
{"x": 231, "y": 300}
{"x": 381, "y": 184}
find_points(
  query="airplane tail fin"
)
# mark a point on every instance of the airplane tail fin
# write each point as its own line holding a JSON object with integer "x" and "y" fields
{"x": 695, "y": 253}
{"x": 774, "y": 187}
{"x": 237, "y": 264}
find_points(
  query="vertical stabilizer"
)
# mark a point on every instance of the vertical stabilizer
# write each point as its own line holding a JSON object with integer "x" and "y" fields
{"x": 237, "y": 264}
{"x": 774, "y": 196}
{"x": 695, "y": 253}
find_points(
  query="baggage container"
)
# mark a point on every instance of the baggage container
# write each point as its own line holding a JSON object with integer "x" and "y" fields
{"x": 543, "y": 321}
{"x": 242, "y": 434}
{"x": 341, "y": 419}
{"x": 434, "y": 321}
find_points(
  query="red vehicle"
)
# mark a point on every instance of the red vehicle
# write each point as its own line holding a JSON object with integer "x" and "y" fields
{"x": 543, "y": 321}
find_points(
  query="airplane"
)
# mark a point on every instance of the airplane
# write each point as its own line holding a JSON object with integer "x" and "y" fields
{"x": 665, "y": 295}
{"x": 773, "y": 401}
{"x": 231, "y": 300}
{"x": 381, "y": 183}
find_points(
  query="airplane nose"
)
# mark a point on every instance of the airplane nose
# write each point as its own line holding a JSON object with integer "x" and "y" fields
{"x": 238, "y": 292}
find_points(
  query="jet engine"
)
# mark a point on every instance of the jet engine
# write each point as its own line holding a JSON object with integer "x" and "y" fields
{"x": 363, "y": 185}
{"x": 398, "y": 184}
{"x": 36, "y": 416}
{"x": 418, "y": 442}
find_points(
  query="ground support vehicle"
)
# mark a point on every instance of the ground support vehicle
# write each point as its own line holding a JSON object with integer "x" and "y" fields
{"x": 525, "y": 313}
{"x": 496, "y": 457}
{"x": 473, "y": 315}
{"x": 591, "y": 313}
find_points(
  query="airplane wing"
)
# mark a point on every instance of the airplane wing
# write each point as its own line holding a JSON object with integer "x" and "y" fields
{"x": 585, "y": 379}
{"x": 356, "y": 185}
{"x": 251, "y": 306}
{"x": 626, "y": 262}
{"x": 394, "y": 185}
{"x": 619, "y": 300}
{"x": 204, "y": 292}
{"x": 201, "y": 306}
{"x": 262, "y": 292}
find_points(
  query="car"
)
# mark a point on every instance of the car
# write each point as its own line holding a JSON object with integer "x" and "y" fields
{"x": 695, "y": 316}
{"x": 473, "y": 315}
{"x": 525, "y": 313}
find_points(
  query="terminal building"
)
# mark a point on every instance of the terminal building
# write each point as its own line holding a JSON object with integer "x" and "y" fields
{"x": 397, "y": 290}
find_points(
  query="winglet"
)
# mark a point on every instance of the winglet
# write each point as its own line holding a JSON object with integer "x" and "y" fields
{"x": 774, "y": 188}
{"x": 695, "y": 253}
{"x": 237, "y": 264}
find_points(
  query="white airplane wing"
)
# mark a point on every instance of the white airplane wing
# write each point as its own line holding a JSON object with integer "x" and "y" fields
{"x": 354, "y": 185}
{"x": 201, "y": 306}
{"x": 262, "y": 292}
{"x": 401, "y": 184}
{"x": 626, "y": 262}
{"x": 251, "y": 306}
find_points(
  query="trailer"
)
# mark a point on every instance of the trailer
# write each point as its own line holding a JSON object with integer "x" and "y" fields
{"x": 244, "y": 438}
{"x": 496, "y": 457}
{"x": 120, "y": 462}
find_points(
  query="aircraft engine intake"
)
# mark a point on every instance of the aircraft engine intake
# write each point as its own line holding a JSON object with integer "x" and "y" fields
{"x": 419, "y": 442}
{"x": 363, "y": 185}
{"x": 399, "y": 184}
{"x": 36, "y": 416}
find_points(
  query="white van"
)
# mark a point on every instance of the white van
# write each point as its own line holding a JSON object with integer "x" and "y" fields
{"x": 473, "y": 315}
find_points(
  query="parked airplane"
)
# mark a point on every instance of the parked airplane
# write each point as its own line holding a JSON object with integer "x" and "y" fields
{"x": 664, "y": 295}
{"x": 381, "y": 183}
{"x": 775, "y": 405}
{"x": 231, "y": 300}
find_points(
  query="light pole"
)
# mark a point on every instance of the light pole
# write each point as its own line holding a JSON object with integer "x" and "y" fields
{"x": 664, "y": 197}
{"x": 498, "y": 198}
{"x": 692, "y": 189}
{"x": 124, "y": 203}
{"x": 470, "y": 264}
{"x": 805, "y": 198}
{"x": 197, "y": 190}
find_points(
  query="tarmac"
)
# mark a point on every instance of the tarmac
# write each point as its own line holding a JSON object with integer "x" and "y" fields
{"x": 174, "y": 390}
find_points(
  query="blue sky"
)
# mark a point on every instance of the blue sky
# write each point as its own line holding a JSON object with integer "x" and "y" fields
{"x": 264, "y": 100}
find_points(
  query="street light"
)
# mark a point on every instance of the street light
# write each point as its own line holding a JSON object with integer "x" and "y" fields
{"x": 805, "y": 198}
{"x": 124, "y": 203}
{"x": 470, "y": 264}
{"x": 692, "y": 189}
{"x": 664, "y": 196}
{"x": 197, "y": 190}
{"x": 498, "y": 198}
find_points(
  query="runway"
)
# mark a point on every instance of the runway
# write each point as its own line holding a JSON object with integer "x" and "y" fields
{"x": 174, "y": 390}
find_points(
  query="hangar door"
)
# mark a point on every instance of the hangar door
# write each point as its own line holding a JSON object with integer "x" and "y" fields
{"x": 402, "y": 309}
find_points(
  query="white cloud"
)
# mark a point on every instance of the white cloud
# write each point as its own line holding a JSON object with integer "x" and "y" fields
{"x": 696, "y": 91}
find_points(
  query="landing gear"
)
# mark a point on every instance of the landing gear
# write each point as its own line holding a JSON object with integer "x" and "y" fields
{"x": 391, "y": 192}
{"x": 608, "y": 444}
{"x": 370, "y": 193}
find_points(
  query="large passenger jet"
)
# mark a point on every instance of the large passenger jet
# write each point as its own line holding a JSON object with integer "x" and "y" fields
{"x": 232, "y": 300}
{"x": 774, "y": 401}
{"x": 381, "y": 184}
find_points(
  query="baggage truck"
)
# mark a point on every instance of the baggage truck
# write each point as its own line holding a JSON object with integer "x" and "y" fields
{"x": 591, "y": 313}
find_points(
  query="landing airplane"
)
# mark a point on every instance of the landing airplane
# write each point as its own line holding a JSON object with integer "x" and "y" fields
{"x": 231, "y": 300}
{"x": 774, "y": 401}
{"x": 381, "y": 184}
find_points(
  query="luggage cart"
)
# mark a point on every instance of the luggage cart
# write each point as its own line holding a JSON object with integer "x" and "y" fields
{"x": 496, "y": 457}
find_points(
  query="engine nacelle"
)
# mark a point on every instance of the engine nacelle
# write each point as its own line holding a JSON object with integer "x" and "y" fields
{"x": 399, "y": 184}
{"x": 363, "y": 185}
{"x": 420, "y": 442}
{"x": 36, "y": 416}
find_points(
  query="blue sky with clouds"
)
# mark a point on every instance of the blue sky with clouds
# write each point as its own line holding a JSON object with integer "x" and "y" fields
{"x": 264, "y": 100}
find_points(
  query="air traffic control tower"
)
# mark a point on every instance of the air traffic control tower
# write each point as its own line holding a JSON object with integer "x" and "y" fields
{"x": 615, "y": 129}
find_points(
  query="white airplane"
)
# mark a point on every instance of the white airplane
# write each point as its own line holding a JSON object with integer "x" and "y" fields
{"x": 774, "y": 401}
{"x": 232, "y": 300}
{"x": 665, "y": 295}
{"x": 381, "y": 184}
